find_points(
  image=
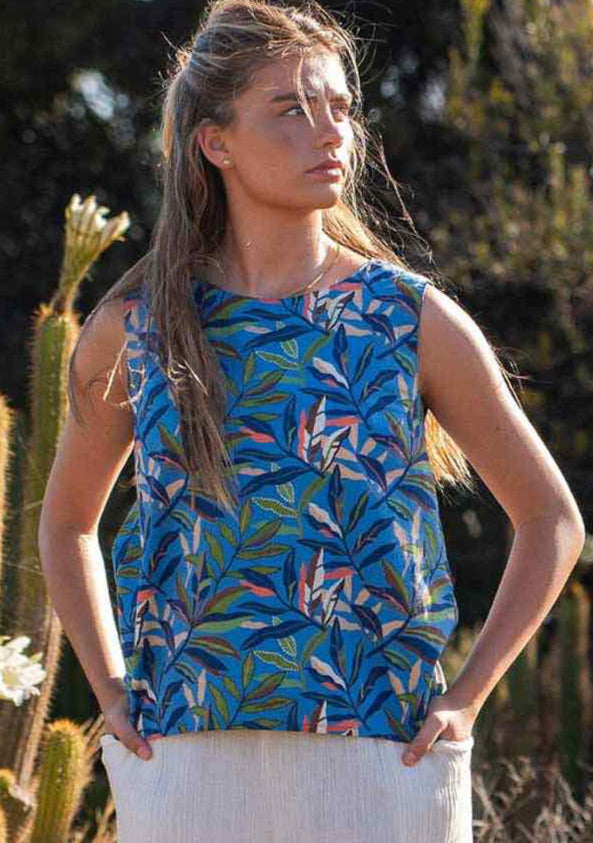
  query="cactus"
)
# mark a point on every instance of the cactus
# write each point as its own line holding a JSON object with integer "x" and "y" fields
{"x": 17, "y": 805}
{"x": 53, "y": 341}
{"x": 63, "y": 775}
{"x": 56, "y": 327}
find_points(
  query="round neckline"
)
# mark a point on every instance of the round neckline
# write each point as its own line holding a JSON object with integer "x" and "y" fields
{"x": 204, "y": 283}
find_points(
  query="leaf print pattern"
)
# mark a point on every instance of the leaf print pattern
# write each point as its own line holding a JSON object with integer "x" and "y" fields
{"x": 326, "y": 604}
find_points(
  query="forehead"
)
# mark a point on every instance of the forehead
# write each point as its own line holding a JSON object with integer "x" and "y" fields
{"x": 321, "y": 74}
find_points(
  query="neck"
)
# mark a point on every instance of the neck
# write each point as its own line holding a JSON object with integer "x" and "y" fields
{"x": 273, "y": 260}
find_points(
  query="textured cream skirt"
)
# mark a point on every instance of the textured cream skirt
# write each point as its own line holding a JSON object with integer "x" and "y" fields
{"x": 244, "y": 786}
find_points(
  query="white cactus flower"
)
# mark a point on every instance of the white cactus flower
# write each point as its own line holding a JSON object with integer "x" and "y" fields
{"x": 19, "y": 674}
{"x": 87, "y": 235}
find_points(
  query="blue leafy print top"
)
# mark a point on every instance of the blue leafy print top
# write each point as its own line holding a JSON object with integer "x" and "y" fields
{"x": 325, "y": 605}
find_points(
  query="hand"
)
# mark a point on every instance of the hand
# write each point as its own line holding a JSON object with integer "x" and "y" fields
{"x": 444, "y": 719}
{"x": 117, "y": 722}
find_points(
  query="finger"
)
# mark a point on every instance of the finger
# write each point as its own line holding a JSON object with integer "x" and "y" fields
{"x": 416, "y": 749}
{"x": 136, "y": 743}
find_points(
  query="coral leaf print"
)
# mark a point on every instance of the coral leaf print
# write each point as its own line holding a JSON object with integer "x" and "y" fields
{"x": 328, "y": 373}
{"x": 326, "y": 672}
{"x": 322, "y": 521}
{"x": 324, "y": 602}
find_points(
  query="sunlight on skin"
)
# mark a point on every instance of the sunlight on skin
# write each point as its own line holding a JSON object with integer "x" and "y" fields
{"x": 264, "y": 157}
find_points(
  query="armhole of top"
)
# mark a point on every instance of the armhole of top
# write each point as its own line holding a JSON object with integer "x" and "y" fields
{"x": 416, "y": 286}
{"x": 131, "y": 311}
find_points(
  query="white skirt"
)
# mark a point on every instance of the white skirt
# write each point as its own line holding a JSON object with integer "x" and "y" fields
{"x": 245, "y": 786}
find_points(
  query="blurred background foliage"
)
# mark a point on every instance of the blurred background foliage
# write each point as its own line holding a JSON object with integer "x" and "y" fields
{"x": 486, "y": 113}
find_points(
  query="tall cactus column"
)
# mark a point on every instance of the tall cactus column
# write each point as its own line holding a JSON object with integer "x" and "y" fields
{"x": 56, "y": 328}
{"x": 54, "y": 335}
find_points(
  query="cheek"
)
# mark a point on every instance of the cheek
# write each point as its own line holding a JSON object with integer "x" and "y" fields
{"x": 283, "y": 137}
{"x": 275, "y": 151}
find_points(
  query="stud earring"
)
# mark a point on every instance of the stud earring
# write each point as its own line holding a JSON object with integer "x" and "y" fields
{"x": 227, "y": 161}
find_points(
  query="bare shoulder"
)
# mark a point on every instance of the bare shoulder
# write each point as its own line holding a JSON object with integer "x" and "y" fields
{"x": 101, "y": 347}
{"x": 98, "y": 432}
{"x": 462, "y": 383}
{"x": 452, "y": 344}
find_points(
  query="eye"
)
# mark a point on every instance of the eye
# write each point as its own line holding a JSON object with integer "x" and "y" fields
{"x": 344, "y": 107}
{"x": 293, "y": 108}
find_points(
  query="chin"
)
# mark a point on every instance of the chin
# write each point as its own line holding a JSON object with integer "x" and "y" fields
{"x": 328, "y": 192}
{"x": 332, "y": 199}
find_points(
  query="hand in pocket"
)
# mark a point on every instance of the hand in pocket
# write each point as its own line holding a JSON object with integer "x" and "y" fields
{"x": 117, "y": 723}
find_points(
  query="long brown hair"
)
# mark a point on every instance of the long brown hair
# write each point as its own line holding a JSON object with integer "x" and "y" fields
{"x": 235, "y": 39}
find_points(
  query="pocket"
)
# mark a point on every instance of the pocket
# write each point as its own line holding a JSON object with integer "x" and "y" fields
{"x": 444, "y": 745}
{"x": 108, "y": 738}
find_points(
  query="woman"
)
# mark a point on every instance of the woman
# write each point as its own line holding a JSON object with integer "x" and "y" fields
{"x": 283, "y": 588}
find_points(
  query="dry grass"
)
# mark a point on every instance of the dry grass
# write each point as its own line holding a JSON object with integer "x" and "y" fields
{"x": 520, "y": 801}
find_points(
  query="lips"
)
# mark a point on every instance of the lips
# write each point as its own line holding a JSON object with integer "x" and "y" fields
{"x": 328, "y": 164}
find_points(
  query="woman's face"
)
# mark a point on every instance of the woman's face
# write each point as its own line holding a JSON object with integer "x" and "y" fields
{"x": 272, "y": 144}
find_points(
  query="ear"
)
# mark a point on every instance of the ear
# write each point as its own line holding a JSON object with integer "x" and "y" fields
{"x": 210, "y": 139}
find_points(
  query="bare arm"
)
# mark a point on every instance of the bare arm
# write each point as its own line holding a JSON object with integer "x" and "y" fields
{"x": 461, "y": 383}
{"x": 88, "y": 462}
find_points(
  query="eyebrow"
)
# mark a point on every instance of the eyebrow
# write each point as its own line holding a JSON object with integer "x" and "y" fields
{"x": 292, "y": 96}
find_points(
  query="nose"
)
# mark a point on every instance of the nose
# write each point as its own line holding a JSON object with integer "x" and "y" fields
{"x": 329, "y": 130}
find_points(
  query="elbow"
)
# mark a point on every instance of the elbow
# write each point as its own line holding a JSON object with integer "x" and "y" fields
{"x": 573, "y": 527}
{"x": 580, "y": 534}
{"x": 42, "y": 537}
{"x": 575, "y": 523}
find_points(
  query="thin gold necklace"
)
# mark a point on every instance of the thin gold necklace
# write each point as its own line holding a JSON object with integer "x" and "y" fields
{"x": 320, "y": 275}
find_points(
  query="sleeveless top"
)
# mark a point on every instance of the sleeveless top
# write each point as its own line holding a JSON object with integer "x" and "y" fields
{"x": 325, "y": 605}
